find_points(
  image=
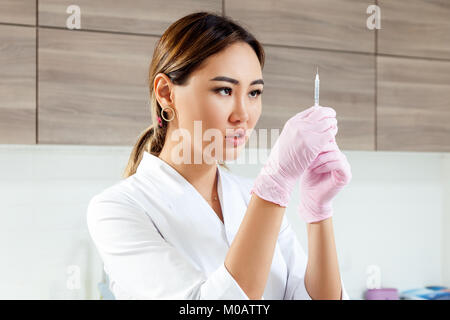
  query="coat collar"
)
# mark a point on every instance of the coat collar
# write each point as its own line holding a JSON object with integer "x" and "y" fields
{"x": 175, "y": 189}
{"x": 159, "y": 170}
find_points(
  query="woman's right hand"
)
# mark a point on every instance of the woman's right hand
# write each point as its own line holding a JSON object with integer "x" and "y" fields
{"x": 303, "y": 137}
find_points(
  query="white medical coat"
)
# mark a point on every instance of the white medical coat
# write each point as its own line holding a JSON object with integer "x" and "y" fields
{"x": 160, "y": 239}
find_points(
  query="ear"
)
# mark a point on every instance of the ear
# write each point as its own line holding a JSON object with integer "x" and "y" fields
{"x": 164, "y": 90}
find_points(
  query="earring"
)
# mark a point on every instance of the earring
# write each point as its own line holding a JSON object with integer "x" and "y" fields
{"x": 171, "y": 110}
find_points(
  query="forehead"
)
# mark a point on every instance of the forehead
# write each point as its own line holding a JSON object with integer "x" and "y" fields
{"x": 238, "y": 61}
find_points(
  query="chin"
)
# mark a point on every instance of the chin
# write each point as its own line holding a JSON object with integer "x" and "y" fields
{"x": 227, "y": 153}
{"x": 232, "y": 153}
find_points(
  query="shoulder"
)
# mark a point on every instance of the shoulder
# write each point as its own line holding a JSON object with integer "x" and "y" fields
{"x": 119, "y": 191}
{"x": 114, "y": 201}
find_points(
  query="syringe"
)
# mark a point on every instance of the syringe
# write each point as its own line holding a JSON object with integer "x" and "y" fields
{"x": 316, "y": 88}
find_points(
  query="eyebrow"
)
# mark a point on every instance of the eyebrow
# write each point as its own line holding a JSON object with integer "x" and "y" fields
{"x": 234, "y": 81}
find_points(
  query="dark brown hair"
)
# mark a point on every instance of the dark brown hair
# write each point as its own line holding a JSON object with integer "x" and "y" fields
{"x": 179, "y": 51}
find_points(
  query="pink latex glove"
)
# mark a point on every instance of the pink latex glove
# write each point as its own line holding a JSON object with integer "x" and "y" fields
{"x": 303, "y": 137}
{"x": 321, "y": 182}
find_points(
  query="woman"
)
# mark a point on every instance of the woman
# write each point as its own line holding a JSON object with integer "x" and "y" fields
{"x": 181, "y": 229}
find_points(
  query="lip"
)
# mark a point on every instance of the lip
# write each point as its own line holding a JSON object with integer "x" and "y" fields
{"x": 233, "y": 140}
{"x": 240, "y": 131}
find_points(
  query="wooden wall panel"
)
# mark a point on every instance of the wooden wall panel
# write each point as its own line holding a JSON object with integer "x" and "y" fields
{"x": 93, "y": 87}
{"x": 413, "y": 104}
{"x": 347, "y": 84}
{"x": 18, "y": 11}
{"x": 17, "y": 84}
{"x": 135, "y": 16}
{"x": 330, "y": 24}
{"x": 418, "y": 28}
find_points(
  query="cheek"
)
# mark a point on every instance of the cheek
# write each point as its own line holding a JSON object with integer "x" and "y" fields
{"x": 253, "y": 115}
{"x": 192, "y": 102}
{"x": 205, "y": 106}
{"x": 213, "y": 113}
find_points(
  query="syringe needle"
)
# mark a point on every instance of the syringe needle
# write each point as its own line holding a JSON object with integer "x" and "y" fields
{"x": 316, "y": 88}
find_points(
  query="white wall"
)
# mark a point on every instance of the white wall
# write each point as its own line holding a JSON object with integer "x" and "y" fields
{"x": 446, "y": 221}
{"x": 44, "y": 195}
{"x": 390, "y": 215}
{"x": 395, "y": 213}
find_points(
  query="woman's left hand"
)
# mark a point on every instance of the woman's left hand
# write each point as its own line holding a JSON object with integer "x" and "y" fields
{"x": 321, "y": 181}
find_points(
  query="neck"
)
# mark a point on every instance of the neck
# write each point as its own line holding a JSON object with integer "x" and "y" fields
{"x": 202, "y": 176}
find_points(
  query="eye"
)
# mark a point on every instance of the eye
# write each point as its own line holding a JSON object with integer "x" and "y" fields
{"x": 257, "y": 92}
{"x": 220, "y": 89}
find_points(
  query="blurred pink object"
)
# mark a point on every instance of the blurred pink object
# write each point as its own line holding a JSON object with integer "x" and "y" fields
{"x": 303, "y": 137}
{"x": 329, "y": 173}
{"x": 382, "y": 294}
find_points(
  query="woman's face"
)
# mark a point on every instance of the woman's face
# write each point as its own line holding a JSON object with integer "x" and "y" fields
{"x": 223, "y": 94}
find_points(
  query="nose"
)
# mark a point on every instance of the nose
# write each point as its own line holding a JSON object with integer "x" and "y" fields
{"x": 239, "y": 113}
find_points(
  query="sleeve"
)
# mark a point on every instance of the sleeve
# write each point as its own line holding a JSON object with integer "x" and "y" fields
{"x": 145, "y": 266}
{"x": 296, "y": 261}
